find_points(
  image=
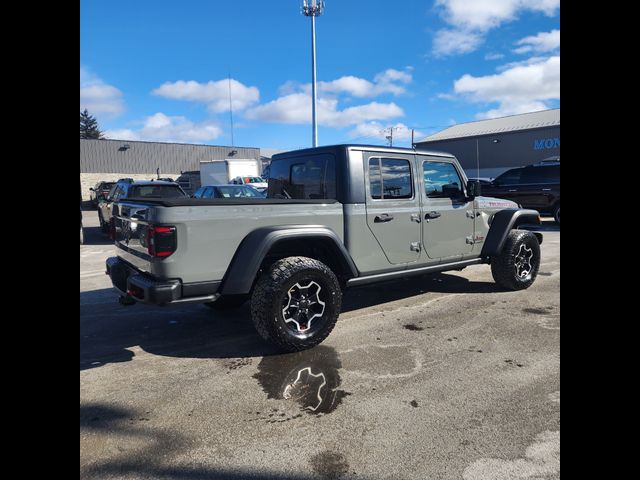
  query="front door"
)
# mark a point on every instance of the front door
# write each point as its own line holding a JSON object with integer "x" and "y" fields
{"x": 393, "y": 205}
{"x": 448, "y": 217}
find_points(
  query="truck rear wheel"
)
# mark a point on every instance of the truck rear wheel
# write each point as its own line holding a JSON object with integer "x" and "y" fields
{"x": 517, "y": 265}
{"x": 295, "y": 304}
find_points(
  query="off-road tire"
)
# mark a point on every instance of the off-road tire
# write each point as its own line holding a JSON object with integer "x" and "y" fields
{"x": 556, "y": 214}
{"x": 504, "y": 267}
{"x": 271, "y": 290}
{"x": 227, "y": 303}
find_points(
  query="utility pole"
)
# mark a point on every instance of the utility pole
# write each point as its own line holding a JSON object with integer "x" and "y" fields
{"x": 313, "y": 9}
{"x": 230, "y": 109}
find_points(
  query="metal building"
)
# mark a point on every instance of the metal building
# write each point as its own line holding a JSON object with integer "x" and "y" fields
{"x": 109, "y": 160}
{"x": 498, "y": 144}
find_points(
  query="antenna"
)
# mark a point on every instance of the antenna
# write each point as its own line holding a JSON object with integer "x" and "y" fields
{"x": 313, "y": 9}
{"x": 230, "y": 109}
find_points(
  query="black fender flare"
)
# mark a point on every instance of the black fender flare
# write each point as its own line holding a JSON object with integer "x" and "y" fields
{"x": 502, "y": 223}
{"x": 246, "y": 262}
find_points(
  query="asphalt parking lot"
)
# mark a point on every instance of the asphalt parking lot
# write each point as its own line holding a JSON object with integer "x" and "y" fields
{"x": 437, "y": 377}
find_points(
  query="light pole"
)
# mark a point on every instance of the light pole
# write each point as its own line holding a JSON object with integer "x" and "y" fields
{"x": 313, "y": 9}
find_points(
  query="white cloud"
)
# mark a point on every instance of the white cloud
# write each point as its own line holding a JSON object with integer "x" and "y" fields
{"x": 520, "y": 89}
{"x": 375, "y": 130}
{"x": 451, "y": 42}
{"x": 97, "y": 96}
{"x": 493, "y": 56}
{"x": 213, "y": 93}
{"x": 162, "y": 128}
{"x": 296, "y": 109}
{"x": 294, "y": 104}
{"x": 470, "y": 20}
{"x": 542, "y": 42}
{"x": 390, "y": 81}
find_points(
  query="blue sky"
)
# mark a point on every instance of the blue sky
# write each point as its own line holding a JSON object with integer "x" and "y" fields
{"x": 159, "y": 71}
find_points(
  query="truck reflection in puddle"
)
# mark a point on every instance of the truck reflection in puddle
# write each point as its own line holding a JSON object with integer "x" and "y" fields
{"x": 309, "y": 378}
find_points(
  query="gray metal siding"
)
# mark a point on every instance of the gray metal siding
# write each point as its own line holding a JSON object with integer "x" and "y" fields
{"x": 513, "y": 149}
{"x": 108, "y": 156}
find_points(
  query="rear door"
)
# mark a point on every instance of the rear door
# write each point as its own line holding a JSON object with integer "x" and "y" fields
{"x": 539, "y": 185}
{"x": 393, "y": 205}
{"x": 448, "y": 217}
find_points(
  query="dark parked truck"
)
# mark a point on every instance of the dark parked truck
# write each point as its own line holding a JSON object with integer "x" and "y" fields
{"x": 334, "y": 217}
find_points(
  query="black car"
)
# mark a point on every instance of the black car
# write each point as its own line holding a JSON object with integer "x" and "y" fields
{"x": 99, "y": 192}
{"x": 535, "y": 186}
{"x": 228, "y": 191}
{"x": 127, "y": 188}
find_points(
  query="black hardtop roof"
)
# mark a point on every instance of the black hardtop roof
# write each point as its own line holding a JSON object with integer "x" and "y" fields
{"x": 344, "y": 146}
{"x": 150, "y": 182}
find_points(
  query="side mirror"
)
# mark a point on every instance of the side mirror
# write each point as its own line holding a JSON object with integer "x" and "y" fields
{"x": 473, "y": 189}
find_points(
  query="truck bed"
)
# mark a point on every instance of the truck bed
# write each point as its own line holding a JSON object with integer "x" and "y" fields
{"x": 197, "y": 257}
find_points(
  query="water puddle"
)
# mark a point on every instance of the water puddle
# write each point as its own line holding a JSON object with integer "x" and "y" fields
{"x": 309, "y": 378}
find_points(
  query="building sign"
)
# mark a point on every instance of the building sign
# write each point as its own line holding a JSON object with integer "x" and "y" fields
{"x": 546, "y": 143}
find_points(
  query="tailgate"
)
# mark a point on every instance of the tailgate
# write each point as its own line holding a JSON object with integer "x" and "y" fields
{"x": 131, "y": 226}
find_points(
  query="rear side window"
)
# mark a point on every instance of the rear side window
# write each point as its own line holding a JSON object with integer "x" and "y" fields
{"x": 510, "y": 177}
{"x": 550, "y": 174}
{"x": 390, "y": 178}
{"x": 305, "y": 177}
{"x": 155, "y": 191}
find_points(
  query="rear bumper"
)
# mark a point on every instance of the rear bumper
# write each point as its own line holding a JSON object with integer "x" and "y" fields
{"x": 144, "y": 288}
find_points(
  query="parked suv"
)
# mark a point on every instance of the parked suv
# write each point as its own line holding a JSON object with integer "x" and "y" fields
{"x": 127, "y": 188}
{"x": 535, "y": 186}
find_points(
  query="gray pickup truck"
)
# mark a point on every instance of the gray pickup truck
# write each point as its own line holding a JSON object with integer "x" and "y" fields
{"x": 334, "y": 217}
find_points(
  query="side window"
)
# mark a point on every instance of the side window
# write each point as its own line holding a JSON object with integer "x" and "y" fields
{"x": 198, "y": 193}
{"x": 546, "y": 174}
{"x": 441, "y": 180}
{"x": 117, "y": 193}
{"x": 390, "y": 178}
{"x": 112, "y": 192}
{"x": 510, "y": 177}
{"x": 208, "y": 192}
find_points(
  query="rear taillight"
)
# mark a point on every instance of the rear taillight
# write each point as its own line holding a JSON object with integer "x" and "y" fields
{"x": 161, "y": 241}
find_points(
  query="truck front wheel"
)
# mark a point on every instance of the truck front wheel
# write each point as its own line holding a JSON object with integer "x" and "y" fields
{"x": 517, "y": 265}
{"x": 295, "y": 304}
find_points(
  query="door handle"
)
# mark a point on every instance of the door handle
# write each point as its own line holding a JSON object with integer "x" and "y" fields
{"x": 432, "y": 215}
{"x": 546, "y": 189}
{"x": 415, "y": 217}
{"x": 383, "y": 217}
{"x": 512, "y": 190}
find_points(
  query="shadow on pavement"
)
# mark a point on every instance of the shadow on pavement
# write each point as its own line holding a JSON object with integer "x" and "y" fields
{"x": 93, "y": 236}
{"x": 144, "y": 451}
{"x": 108, "y": 330}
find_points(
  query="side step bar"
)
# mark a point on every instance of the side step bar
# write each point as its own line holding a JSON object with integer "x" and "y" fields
{"x": 416, "y": 271}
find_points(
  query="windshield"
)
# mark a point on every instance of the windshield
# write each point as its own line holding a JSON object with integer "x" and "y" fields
{"x": 156, "y": 191}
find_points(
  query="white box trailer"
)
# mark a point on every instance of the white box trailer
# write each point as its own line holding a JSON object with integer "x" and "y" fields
{"x": 217, "y": 172}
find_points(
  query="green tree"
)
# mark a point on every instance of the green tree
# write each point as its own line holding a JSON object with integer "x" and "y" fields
{"x": 89, "y": 126}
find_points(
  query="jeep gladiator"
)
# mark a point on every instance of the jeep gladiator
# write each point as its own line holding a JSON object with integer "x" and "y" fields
{"x": 334, "y": 217}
